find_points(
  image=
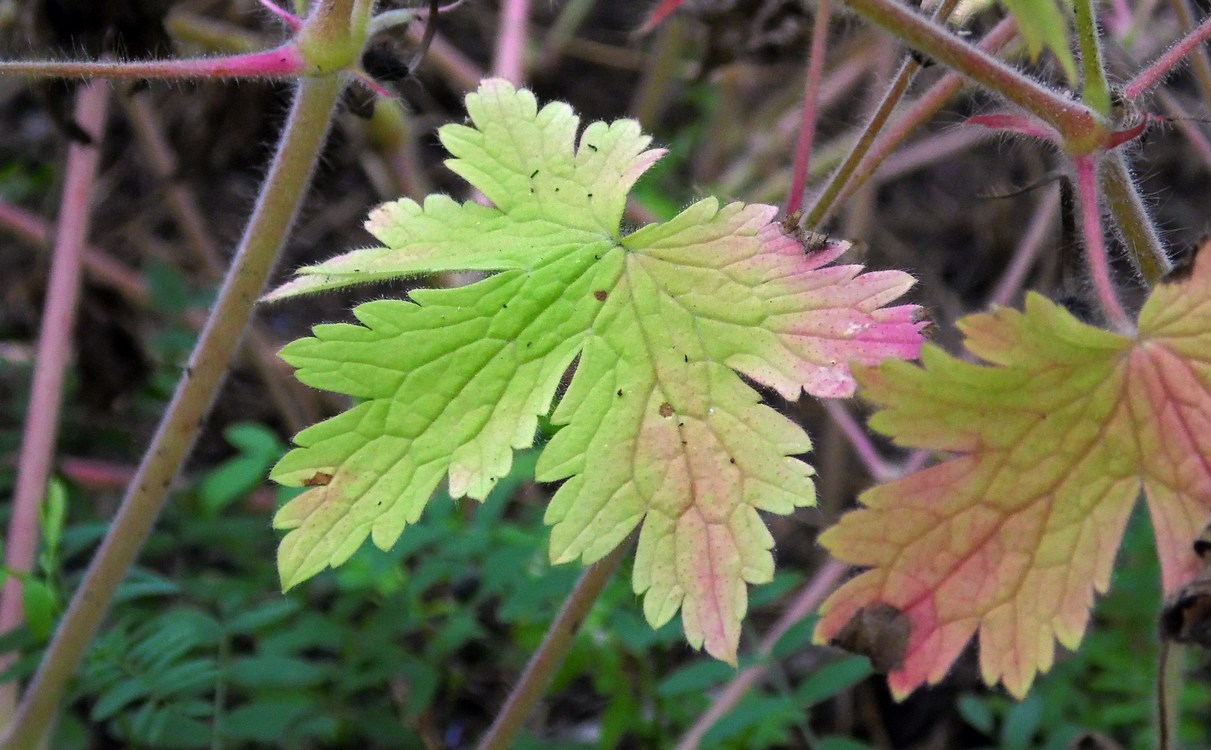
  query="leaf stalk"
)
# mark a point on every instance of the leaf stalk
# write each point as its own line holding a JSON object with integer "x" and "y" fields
{"x": 283, "y": 192}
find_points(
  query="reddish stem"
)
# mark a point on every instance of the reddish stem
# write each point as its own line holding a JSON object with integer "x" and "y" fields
{"x": 916, "y": 115}
{"x": 50, "y": 363}
{"x": 1156, "y": 71}
{"x": 811, "y": 90}
{"x": 809, "y": 597}
{"x": 511, "y": 41}
{"x": 281, "y": 62}
{"x": 1095, "y": 245}
{"x": 874, "y": 462}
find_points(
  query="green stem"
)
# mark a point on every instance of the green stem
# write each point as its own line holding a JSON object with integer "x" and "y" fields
{"x": 1096, "y": 91}
{"x": 1083, "y": 129}
{"x": 550, "y": 654}
{"x": 1131, "y": 219}
{"x": 285, "y": 187}
{"x": 1168, "y": 692}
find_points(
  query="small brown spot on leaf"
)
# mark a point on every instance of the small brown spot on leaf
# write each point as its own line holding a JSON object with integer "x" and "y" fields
{"x": 666, "y": 409}
{"x": 879, "y": 632}
{"x": 318, "y": 479}
{"x": 600, "y": 295}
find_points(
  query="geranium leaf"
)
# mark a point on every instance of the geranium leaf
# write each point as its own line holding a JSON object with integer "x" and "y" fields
{"x": 660, "y": 429}
{"x": 1054, "y": 439}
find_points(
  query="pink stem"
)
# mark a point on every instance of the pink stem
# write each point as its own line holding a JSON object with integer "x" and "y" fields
{"x": 1181, "y": 118}
{"x": 874, "y": 462}
{"x": 511, "y": 41}
{"x": 809, "y": 597}
{"x": 807, "y": 127}
{"x": 1095, "y": 245}
{"x": 281, "y": 62}
{"x": 1152, "y": 75}
{"x": 294, "y": 22}
{"x": 50, "y": 363}
{"x": 1027, "y": 250}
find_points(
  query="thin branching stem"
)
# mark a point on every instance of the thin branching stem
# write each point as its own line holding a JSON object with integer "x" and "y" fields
{"x": 1155, "y": 72}
{"x": 915, "y": 115}
{"x": 806, "y": 601}
{"x": 1083, "y": 129}
{"x": 1095, "y": 244}
{"x": 1199, "y": 59}
{"x": 555, "y": 644}
{"x": 843, "y": 175}
{"x": 807, "y": 123}
{"x": 867, "y": 453}
{"x": 280, "y": 62}
{"x": 50, "y": 364}
{"x": 276, "y": 208}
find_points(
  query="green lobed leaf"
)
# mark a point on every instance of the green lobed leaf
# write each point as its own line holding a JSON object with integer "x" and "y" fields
{"x": 657, "y": 427}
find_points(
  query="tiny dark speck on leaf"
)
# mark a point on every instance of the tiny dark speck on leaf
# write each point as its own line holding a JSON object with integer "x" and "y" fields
{"x": 619, "y": 391}
{"x": 731, "y": 460}
{"x": 600, "y": 295}
{"x": 534, "y": 174}
{"x": 687, "y": 357}
{"x": 590, "y": 195}
{"x": 591, "y": 147}
{"x": 666, "y": 409}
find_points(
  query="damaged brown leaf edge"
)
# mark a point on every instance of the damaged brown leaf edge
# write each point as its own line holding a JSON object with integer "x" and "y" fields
{"x": 1186, "y": 616}
{"x": 879, "y": 632}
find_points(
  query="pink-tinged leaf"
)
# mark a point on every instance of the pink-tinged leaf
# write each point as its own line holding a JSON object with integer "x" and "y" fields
{"x": 1054, "y": 438}
{"x": 659, "y": 428}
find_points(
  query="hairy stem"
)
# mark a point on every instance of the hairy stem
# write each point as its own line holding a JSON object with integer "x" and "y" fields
{"x": 291, "y": 398}
{"x": 1083, "y": 129}
{"x": 280, "y": 62}
{"x": 1151, "y": 76}
{"x": 1095, "y": 245}
{"x": 1200, "y": 61}
{"x": 276, "y": 208}
{"x": 807, "y": 124}
{"x": 915, "y": 115}
{"x": 1131, "y": 218}
{"x": 50, "y": 365}
{"x": 842, "y": 175}
{"x": 1096, "y": 89}
{"x": 550, "y": 654}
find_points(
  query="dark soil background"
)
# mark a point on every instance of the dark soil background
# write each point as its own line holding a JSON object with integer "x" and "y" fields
{"x": 720, "y": 84}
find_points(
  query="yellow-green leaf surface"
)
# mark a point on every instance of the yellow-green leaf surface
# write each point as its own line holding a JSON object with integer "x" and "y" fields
{"x": 660, "y": 430}
{"x": 1044, "y": 25}
{"x": 1055, "y": 438}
